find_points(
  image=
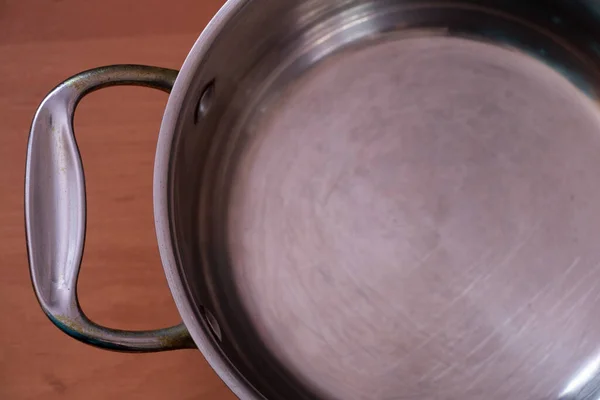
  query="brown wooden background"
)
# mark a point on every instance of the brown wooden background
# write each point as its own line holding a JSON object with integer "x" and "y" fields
{"x": 122, "y": 283}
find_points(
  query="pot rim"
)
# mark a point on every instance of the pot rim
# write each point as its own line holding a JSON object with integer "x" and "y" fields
{"x": 219, "y": 363}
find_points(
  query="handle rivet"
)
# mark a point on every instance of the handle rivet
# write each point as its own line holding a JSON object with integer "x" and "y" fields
{"x": 212, "y": 323}
{"x": 205, "y": 102}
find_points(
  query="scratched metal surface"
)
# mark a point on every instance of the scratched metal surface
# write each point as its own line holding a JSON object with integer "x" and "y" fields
{"x": 418, "y": 219}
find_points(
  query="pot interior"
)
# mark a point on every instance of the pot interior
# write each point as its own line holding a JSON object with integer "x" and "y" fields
{"x": 395, "y": 199}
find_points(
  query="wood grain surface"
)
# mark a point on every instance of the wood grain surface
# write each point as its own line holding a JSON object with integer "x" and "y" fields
{"x": 122, "y": 284}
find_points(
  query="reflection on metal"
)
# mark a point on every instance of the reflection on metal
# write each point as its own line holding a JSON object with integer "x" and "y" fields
{"x": 585, "y": 384}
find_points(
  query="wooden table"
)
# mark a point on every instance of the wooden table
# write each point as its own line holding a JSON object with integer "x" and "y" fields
{"x": 122, "y": 283}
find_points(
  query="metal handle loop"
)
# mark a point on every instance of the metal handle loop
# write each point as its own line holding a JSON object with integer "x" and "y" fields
{"x": 55, "y": 210}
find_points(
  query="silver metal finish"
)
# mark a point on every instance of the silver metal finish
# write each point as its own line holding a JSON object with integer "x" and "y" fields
{"x": 55, "y": 210}
{"x": 439, "y": 237}
{"x": 385, "y": 199}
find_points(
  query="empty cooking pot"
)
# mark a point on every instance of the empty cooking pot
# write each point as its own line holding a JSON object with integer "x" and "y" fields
{"x": 361, "y": 199}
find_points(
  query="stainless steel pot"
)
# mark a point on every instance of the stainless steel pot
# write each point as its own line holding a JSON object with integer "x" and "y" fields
{"x": 360, "y": 199}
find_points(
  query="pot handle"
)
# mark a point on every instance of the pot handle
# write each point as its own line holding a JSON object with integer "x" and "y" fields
{"x": 55, "y": 210}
